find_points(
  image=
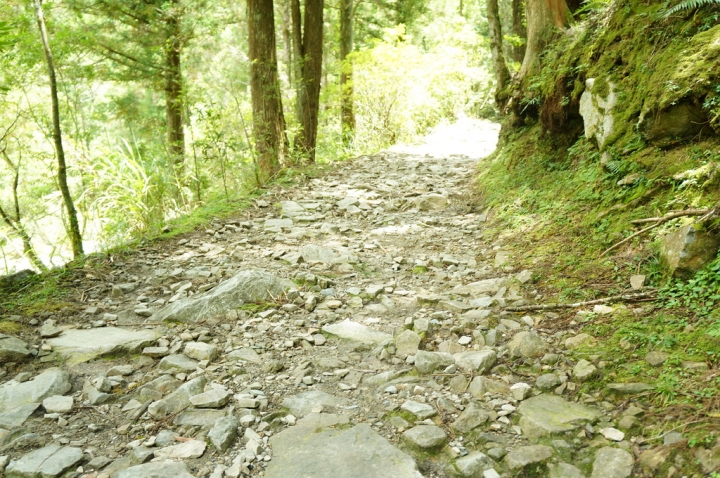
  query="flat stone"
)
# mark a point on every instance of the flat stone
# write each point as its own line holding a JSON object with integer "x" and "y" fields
{"x": 520, "y": 390}
{"x": 564, "y": 470}
{"x": 420, "y": 410}
{"x": 17, "y": 416}
{"x": 425, "y": 436}
{"x": 478, "y": 362}
{"x": 201, "y": 351}
{"x": 428, "y": 362}
{"x": 278, "y": 224}
{"x": 528, "y": 455}
{"x": 628, "y": 388}
{"x": 12, "y": 349}
{"x": 156, "y": 352}
{"x": 480, "y": 385}
{"x": 472, "y": 417}
{"x": 612, "y": 463}
{"x": 637, "y": 281}
{"x": 51, "y": 382}
{"x": 204, "y": 417}
{"x": 580, "y": 340}
{"x": 214, "y": 398}
{"x": 178, "y": 400}
{"x": 82, "y": 345}
{"x": 303, "y": 403}
{"x": 526, "y": 344}
{"x": 245, "y": 354}
{"x": 612, "y": 434}
{"x": 407, "y": 343}
{"x": 157, "y": 470}
{"x": 356, "y": 332}
{"x": 431, "y": 202}
{"x": 313, "y": 449}
{"x": 178, "y": 362}
{"x": 547, "y": 414}
{"x": 47, "y": 462}
{"x": 181, "y": 451}
{"x": 547, "y": 381}
{"x": 472, "y": 465}
{"x": 485, "y": 286}
{"x": 224, "y": 433}
{"x": 313, "y": 253}
{"x": 245, "y": 287}
{"x": 584, "y": 371}
{"x": 58, "y": 404}
{"x": 656, "y": 358}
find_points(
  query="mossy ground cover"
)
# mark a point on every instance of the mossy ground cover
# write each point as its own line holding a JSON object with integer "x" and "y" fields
{"x": 555, "y": 201}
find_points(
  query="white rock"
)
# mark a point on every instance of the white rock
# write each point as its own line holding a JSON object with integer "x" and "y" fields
{"x": 612, "y": 434}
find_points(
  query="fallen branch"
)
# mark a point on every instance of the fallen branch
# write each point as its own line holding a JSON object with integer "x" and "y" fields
{"x": 658, "y": 221}
{"x": 614, "y": 298}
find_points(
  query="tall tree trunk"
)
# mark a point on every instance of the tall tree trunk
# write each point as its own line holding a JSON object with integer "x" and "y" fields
{"x": 518, "y": 29}
{"x": 308, "y": 41}
{"x": 174, "y": 106}
{"x": 347, "y": 110}
{"x": 287, "y": 40}
{"x": 502, "y": 75}
{"x": 74, "y": 227}
{"x": 268, "y": 118}
{"x": 542, "y": 16}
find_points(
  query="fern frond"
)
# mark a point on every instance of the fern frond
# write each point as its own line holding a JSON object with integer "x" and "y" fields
{"x": 690, "y": 5}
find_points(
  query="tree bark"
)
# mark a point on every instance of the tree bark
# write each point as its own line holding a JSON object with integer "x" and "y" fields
{"x": 308, "y": 41}
{"x": 268, "y": 118}
{"x": 74, "y": 227}
{"x": 287, "y": 40}
{"x": 174, "y": 102}
{"x": 502, "y": 75}
{"x": 347, "y": 110}
{"x": 542, "y": 16}
{"x": 518, "y": 29}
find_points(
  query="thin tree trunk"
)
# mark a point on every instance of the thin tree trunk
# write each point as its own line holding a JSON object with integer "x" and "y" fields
{"x": 174, "y": 91}
{"x": 502, "y": 75}
{"x": 541, "y": 16}
{"x": 268, "y": 118}
{"x": 309, "y": 47}
{"x": 74, "y": 227}
{"x": 518, "y": 29}
{"x": 287, "y": 41}
{"x": 347, "y": 111}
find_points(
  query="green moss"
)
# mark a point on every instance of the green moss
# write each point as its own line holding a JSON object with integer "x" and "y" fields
{"x": 10, "y": 327}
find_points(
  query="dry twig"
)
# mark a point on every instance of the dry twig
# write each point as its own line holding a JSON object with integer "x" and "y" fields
{"x": 614, "y": 298}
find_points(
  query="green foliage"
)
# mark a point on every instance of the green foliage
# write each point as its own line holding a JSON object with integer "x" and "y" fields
{"x": 701, "y": 294}
{"x": 689, "y": 5}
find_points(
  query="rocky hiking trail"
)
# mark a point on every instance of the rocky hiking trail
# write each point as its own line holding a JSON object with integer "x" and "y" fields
{"x": 349, "y": 326}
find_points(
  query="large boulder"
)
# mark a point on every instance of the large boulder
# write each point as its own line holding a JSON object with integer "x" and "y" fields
{"x": 247, "y": 286}
{"x": 82, "y": 345}
{"x": 680, "y": 121}
{"x": 51, "y": 382}
{"x": 596, "y": 110}
{"x": 688, "y": 249}
{"x": 12, "y": 349}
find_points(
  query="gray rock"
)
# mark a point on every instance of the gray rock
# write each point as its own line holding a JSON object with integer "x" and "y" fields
{"x": 355, "y": 332}
{"x": 277, "y": 225}
{"x": 201, "y": 351}
{"x": 420, "y": 410}
{"x": 425, "y": 436}
{"x": 17, "y": 416}
{"x": 51, "y": 382}
{"x": 471, "y": 418}
{"x": 547, "y": 381}
{"x": 580, "y": 340}
{"x": 224, "y": 433}
{"x": 688, "y": 249}
{"x": 628, "y": 388}
{"x": 485, "y": 286}
{"x": 179, "y": 400}
{"x": 245, "y": 354}
{"x": 156, "y": 470}
{"x": 431, "y": 202}
{"x": 682, "y": 120}
{"x": 82, "y": 345}
{"x": 313, "y": 449}
{"x": 182, "y": 451}
{"x": 12, "y": 349}
{"x": 47, "y": 462}
{"x": 303, "y": 403}
{"x": 177, "y": 363}
{"x": 407, "y": 343}
{"x": 597, "y": 112}
{"x": 612, "y": 463}
{"x": 584, "y": 371}
{"x": 472, "y": 465}
{"x": 564, "y": 470}
{"x": 547, "y": 414}
{"x": 214, "y": 398}
{"x": 58, "y": 404}
{"x": 247, "y": 286}
{"x": 526, "y": 344}
{"x": 528, "y": 455}
{"x": 428, "y": 362}
{"x": 479, "y": 362}
{"x": 204, "y": 417}
{"x": 312, "y": 253}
